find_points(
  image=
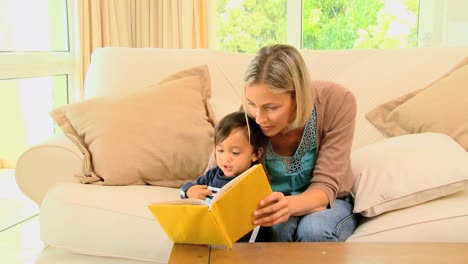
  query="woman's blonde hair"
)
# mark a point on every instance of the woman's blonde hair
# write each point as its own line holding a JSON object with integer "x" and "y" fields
{"x": 282, "y": 68}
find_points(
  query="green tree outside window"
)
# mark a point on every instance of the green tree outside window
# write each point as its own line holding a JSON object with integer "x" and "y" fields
{"x": 247, "y": 25}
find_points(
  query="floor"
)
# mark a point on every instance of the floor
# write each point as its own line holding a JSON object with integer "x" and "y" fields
{"x": 19, "y": 232}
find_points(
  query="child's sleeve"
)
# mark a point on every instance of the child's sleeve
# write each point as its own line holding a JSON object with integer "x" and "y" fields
{"x": 202, "y": 180}
{"x": 184, "y": 188}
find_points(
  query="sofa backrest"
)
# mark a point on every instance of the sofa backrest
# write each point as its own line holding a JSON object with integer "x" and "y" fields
{"x": 374, "y": 76}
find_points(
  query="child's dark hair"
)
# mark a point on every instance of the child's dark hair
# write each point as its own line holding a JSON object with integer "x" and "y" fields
{"x": 239, "y": 119}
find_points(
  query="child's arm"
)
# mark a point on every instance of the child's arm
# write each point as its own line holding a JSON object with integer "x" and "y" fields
{"x": 198, "y": 191}
{"x": 184, "y": 189}
{"x": 198, "y": 188}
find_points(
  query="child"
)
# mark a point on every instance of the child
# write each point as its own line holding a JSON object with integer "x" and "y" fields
{"x": 238, "y": 146}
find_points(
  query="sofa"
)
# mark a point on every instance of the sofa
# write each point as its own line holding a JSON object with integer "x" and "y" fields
{"x": 81, "y": 212}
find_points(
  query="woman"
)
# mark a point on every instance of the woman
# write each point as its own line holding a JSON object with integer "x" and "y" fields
{"x": 310, "y": 126}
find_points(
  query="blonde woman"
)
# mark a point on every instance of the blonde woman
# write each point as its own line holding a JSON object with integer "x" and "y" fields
{"x": 310, "y": 127}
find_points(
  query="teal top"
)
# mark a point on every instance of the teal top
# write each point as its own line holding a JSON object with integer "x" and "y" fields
{"x": 292, "y": 175}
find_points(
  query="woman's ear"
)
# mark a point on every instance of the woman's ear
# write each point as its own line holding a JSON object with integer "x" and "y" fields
{"x": 256, "y": 156}
{"x": 259, "y": 152}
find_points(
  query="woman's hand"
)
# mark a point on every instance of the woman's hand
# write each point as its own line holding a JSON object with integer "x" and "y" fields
{"x": 272, "y": 210}
{"x": 198, "y": 191}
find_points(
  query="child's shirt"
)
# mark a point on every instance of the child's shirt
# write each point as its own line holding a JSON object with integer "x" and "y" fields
{"x": 213, "y": 178}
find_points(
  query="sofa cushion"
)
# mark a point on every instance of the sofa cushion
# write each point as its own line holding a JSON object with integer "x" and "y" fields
{"x": 407, "y": 170}
{"x": 439, "y": 107}
{"x": 162, "y": 135}
{"x": 106, "y": 220}
{"x": 441, "y": 220}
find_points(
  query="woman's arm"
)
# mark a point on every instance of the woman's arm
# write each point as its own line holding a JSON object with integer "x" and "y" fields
{"x": 332, "y": 168}
{"x": 311, "y": 200}
{"x": 277, "y": 208}
{"x": 332, "y": 172}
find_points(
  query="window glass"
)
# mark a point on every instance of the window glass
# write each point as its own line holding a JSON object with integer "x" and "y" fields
{"x": 36, "y": 68}
{"x": 26, "y": 104}
{"x": 40, "y": 25}
{"x": 247, "y": 25}
{"x": 344, "y": 24}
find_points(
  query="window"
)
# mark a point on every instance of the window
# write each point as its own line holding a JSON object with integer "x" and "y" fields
{"x": 246, "y": 25}
{"x": 36, "y": 71}
{"x": 443, "y": 23}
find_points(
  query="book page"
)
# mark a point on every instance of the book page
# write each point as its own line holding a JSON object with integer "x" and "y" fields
{"x": 230, "y": 184}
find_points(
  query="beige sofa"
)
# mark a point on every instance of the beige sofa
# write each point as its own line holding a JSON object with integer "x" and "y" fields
{"x": 114, "y": 220}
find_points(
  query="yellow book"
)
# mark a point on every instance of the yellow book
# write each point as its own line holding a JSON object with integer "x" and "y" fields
{"x": 224, "y": 221}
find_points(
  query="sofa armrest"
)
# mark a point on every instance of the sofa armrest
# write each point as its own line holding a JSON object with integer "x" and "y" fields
{"x": 55, "y": 160}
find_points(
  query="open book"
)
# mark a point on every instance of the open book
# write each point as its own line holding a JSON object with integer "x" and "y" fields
{"x": 224, "y": 221}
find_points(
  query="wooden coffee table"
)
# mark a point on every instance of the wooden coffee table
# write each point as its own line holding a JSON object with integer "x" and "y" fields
{"x": 329, "y": 253}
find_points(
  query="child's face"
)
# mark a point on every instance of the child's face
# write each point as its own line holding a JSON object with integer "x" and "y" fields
{"x": 234, "y": 155}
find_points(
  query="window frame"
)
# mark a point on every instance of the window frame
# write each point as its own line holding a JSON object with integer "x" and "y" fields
{"x": 16, "y": 65}
{"x": 294, "y": 26}
{"x": 294, "y": 23}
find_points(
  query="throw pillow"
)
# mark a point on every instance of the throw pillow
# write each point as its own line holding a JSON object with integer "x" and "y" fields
{"x": 162, "y": 135}
{"x": 439, "y": 107}
{"x": 403, "y": 171}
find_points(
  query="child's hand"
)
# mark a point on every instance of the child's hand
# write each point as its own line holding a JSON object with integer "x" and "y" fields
{"x": 198, "y": 191}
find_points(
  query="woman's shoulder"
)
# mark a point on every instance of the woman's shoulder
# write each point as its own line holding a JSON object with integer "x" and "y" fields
{"x": 326, "y": 89}
{"x": 333, "y": 97}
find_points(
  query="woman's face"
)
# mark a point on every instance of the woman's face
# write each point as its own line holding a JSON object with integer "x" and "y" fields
{"x": 272, "y": 111}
